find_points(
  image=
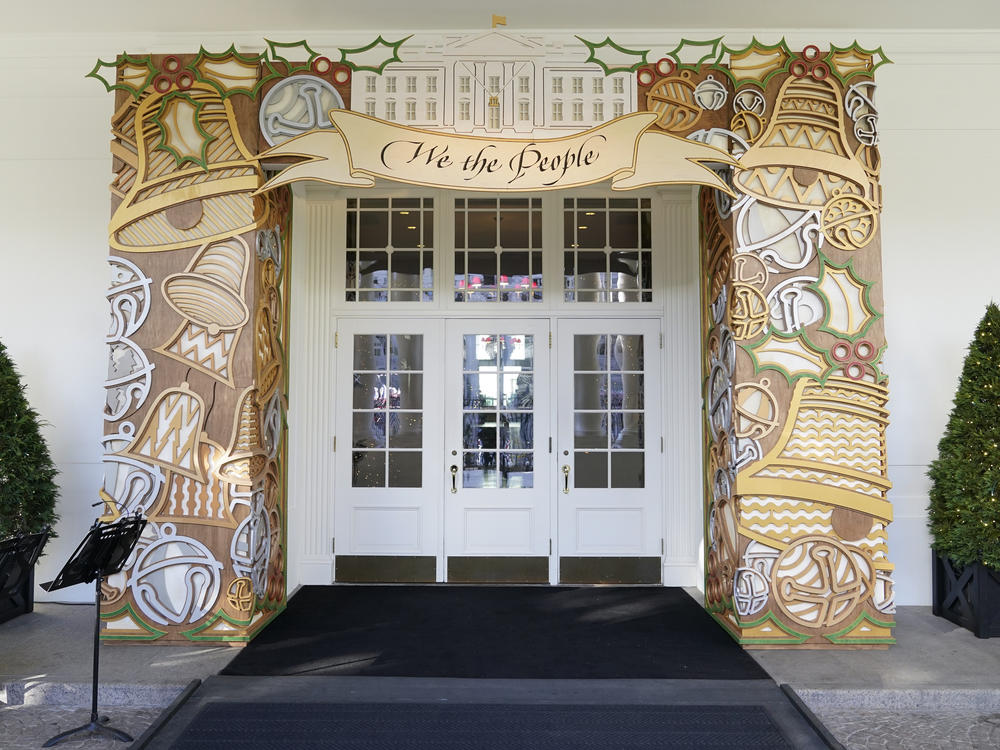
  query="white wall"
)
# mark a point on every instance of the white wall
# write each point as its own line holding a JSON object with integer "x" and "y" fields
{"x": 939, "y": 122}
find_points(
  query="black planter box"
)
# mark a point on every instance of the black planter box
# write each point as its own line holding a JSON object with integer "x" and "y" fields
{"x": 17, "y": 573}
{"x": 968, "y": 596}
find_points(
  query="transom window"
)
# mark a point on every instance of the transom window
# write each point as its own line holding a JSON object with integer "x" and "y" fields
{"x": 390, "y": 256}
{"x": 608, "y": 250}
{"x": 498, "y": 250}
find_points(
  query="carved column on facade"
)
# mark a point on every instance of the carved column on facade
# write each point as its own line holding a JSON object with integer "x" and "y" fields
{"x": 795, "y": 393}
{"x": 196, "y": 392}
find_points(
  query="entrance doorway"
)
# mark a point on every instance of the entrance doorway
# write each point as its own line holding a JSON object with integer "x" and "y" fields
{"x": 498, "y": 450}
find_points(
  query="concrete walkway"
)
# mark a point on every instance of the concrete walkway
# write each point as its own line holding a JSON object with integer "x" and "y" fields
{"x": 939, "y": 687}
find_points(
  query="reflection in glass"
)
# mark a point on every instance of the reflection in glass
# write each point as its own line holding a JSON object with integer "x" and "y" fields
{"x": 590, "y": 391}
{"x": 511, "y": 229}
{"x": 590, "y": 429}
{"x": 389, "y": 250}
{"x": 497, "y": 402}
{"x": 407, "y": 352}
{"x": 405, "y": 429}
{"x": 516, "y": 430}
{"x": 608, "y": 402}
{"x": 369, "y": 352}
{"x": 517, "y": 390}
{"x": 387, "y": 400}
{"x": 378, "y": 391}
{"x": 607, "y": 256}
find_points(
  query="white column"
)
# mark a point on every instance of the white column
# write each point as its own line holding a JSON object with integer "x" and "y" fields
{"x": 683, "y": 527}
{"x": 318, "y": 231}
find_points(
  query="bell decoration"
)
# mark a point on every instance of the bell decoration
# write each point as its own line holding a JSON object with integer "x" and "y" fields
{"x": 194, "y": 176}
{"x": 803, "y": 158}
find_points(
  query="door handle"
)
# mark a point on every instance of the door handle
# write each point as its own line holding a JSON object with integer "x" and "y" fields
{"x": 454, "y": 472}
{"x": 565, "y": 471}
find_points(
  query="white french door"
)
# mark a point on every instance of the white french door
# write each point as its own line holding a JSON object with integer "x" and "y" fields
{"x": 497, "y": 411}
{"x": 388, "y": 478}
{"x": 609, "y": 438}
{"x": 471, "y": 451}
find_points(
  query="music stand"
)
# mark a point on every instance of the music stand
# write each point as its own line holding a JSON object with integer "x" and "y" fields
{"x": 102, "y": 552}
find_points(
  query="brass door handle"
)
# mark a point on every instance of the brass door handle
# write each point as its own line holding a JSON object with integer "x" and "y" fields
{"x": 454, "y": 472}
{"x": 565, "y": 471}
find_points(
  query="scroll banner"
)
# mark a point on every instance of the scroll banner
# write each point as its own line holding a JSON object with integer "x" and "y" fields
{"x": 624, "y": 150}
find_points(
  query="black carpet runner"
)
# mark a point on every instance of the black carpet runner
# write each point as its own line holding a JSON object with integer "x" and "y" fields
{"x": 479, "y": 727}
{"x": 544, "y": 632}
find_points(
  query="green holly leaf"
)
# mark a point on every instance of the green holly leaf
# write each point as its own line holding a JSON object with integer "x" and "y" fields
{"x": 216, "y": 70}
{"x": 613, "y": 58}
{"x": 854, "y": 60}
{"x": 181, "y": 133}
{"x": 282, "y": 52}
{"x": 372, "y": 57}
{"x": 136, "y": 73}
{"x": 755, "y": 63}
{"x": 690, "y": 55}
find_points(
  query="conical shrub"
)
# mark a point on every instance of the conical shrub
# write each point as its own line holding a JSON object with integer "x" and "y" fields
{"x": 28, "y": 490}
{"x": 965, "y": 478}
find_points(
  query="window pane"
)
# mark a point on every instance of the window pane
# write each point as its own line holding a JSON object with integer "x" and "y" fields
{"x": 590, "y": 430}
{"x": 516, "y": 431}
{"x": 406, "y": 229}
{"x": 406, "y": 270}
{"x": 482, "y": 229}
{"x": 591, "y": 469}
{"x": 628, "y": 470}
{"x": 405, "y": 429}
{"x": 407, "y": 352}
{"x": 514, "y": 229}
{"x": 369, "y": 352}
{"x": 368, "y": 469}
{"x": 405, "y": 469}
{"x": 517, "y": 470}
{"x": 590, "y": 391}
{"x": 369, "y": 429}
{"x": 374, "y": 228}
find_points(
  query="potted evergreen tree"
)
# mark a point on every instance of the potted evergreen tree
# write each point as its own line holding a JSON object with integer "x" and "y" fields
{"x": 28, "y": 493}
{"x": 965, "y": 492}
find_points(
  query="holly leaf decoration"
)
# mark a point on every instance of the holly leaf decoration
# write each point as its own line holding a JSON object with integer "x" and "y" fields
{"x": 372, "y": 57}
{"x": 613, "y": 58}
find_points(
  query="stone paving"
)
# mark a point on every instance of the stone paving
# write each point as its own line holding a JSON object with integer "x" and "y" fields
{"x": 29, "y": 726}
{"x": 917, "y": 730}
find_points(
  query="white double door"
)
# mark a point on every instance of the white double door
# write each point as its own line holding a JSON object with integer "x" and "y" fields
{"x": 495, "y": 449}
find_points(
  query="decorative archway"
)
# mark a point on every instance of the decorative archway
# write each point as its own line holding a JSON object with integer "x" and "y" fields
{"x": 795, "y": 471}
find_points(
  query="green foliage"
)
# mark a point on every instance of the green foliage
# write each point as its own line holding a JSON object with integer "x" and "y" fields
{"x": 965, "y": 478}
{"x": 27, "y": 488}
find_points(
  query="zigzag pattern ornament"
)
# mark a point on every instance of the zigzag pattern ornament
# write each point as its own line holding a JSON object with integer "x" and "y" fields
{"x": 209, "y": 295}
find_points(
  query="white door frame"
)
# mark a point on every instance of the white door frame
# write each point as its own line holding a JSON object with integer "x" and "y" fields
{"x": 317, "y": 252}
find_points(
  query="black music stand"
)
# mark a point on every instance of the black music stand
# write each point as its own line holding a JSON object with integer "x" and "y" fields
{"x": 101, "y": 553}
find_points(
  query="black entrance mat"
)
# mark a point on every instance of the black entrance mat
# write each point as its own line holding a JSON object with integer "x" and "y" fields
{"x": 544, "y": 632}
{"x": 377, "y": 726}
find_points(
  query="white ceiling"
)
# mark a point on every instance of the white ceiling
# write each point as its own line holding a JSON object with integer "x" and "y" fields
{"x": 82, "y": 16}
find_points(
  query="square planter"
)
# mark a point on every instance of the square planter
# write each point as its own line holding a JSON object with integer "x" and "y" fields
{"x": 17, "y": 573}
{"x": 967, "y": 596}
